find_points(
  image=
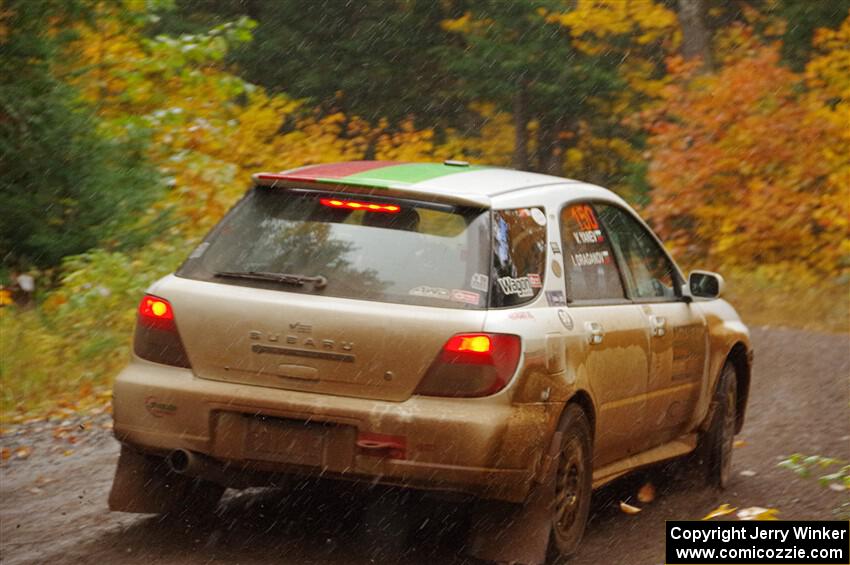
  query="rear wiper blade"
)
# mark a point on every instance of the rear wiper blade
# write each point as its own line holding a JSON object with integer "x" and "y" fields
{"x": 286, "y": 278}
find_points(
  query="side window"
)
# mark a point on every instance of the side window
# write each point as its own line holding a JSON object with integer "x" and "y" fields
{"x": 519, "y": 256}
{"x": 647, "y": 269}
{"x": 591, "y": 270}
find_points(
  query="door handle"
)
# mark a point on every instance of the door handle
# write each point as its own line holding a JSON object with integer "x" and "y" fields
{"x": 659, "y": 325}
{"x": 594, "y": 332}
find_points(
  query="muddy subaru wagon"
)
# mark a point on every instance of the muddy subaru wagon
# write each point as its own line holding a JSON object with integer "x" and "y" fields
{"x": 517, "y": 337}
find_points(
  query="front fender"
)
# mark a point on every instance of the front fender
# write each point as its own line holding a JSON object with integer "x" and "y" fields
{"x": 728, "y": 339}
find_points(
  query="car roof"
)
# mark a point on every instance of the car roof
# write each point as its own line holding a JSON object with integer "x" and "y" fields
{"x": 456, "y": 180}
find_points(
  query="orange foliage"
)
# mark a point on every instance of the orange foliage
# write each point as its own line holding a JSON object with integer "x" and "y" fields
{"x": 741, "y": 172}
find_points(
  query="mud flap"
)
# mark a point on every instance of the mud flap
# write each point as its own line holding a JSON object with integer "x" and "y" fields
{"x": 513, "y": 533}
{"x": 141, "y": 485}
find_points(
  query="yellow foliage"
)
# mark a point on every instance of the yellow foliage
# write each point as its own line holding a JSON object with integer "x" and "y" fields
{"x": 828, "y": 78}
{"x": 493, "y": 146}
{"x": 645, "y": 21}
{"x": 466, "y": 24}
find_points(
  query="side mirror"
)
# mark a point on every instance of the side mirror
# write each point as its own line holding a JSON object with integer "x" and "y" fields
{"x": 705, "y": 284}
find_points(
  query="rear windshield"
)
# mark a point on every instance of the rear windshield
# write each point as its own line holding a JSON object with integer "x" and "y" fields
{"x": 362, "y": 247}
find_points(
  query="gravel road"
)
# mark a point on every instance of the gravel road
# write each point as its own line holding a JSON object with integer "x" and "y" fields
{"x": 53, "y": 502}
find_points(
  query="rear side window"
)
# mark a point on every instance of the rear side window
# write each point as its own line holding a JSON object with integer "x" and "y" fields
{"x": 370, "y": 248}
{"x": 591, "y": 270}
{"x": 519, "y": 256}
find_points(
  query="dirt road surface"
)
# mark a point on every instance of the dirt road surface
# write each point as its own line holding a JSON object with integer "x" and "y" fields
{"x": 53, "y": 502}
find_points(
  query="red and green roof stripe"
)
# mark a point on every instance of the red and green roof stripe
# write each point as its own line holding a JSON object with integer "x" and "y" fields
{"x": 383, "y": 174}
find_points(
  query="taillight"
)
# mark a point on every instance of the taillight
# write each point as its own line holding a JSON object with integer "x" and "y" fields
{"x": 471, "y": 365}
{"x": 357, "y": 205}
{"x": 156, "y": 337}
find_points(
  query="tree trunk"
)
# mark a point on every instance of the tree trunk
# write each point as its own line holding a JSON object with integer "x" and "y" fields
{"x": 520, "y": 158}
{"x": 549, "y": 150}
{"x": 696, "y": 37}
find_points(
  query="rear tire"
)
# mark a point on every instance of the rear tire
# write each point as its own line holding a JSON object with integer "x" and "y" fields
{"x": 573, "y": 485}
{"x": 718, "y": 441}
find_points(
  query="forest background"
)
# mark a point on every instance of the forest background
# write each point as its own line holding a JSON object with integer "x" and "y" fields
{"x": 128, "y": 127}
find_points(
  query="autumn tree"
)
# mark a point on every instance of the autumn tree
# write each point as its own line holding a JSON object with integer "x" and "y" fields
{"x": 515, "y": 55}
{"x": 65, "y": 185}
{"x": 640, "y": 34}
{"x": 798, "y": 21}
{"x": 372, "y": 59}
{"x": 745, "y": 169}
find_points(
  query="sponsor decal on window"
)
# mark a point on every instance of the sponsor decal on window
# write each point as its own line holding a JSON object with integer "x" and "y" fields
{"x": 519, "y": 286}
{"x": 466, "y": 297}
{"x": 430, "y": 292}
{"x": 480, "y": 282}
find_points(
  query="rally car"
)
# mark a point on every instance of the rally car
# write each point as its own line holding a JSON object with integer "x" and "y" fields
{"x": 517, "y": 337}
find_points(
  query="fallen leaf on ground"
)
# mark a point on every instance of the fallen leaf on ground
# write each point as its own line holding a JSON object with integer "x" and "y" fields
{"x": 837, "y": 487}
{"x": 646, "y": 493}
{"x": 68, "y": 452}
{"x": 23, "y": 452}
{"x": 758, "y": 513}
{"x": 739, "y": 443}
{"x": 748, "y": 473}
{"x": 5, "y": 453}
{"x": 722, "y": 510}
{"x": 628, "y": 508}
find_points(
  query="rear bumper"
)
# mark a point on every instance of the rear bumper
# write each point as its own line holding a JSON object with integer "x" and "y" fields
{"x": 484, "y": 447}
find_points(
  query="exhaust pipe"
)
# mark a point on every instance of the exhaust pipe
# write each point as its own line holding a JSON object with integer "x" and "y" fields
{"x": 180, "y": 461}
{"x": 192, "y": 464}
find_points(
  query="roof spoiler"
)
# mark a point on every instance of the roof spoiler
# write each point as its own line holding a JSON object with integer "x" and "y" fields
{"x": 363, "y": 186}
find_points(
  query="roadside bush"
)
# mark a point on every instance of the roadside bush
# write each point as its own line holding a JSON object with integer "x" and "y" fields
{"x": 79, "y": 337}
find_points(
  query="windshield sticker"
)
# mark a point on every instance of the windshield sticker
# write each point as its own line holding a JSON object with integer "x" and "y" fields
{"x": 534, "y": 280}
{"x": 584, "y": 217}
{"x": 466, "y": 297}
{"x": 521, "y": 286}
{"x": 480, "y": 282}
{"x": 199, "y": 250}
{"x": 521, "y": 316}
{"x": 538, "y": 216}
{"x": 556, "y": 298}
{"x": 555, "y": 247}
{"x": 590, "y": 258}
{"x": 430, "y": 292}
